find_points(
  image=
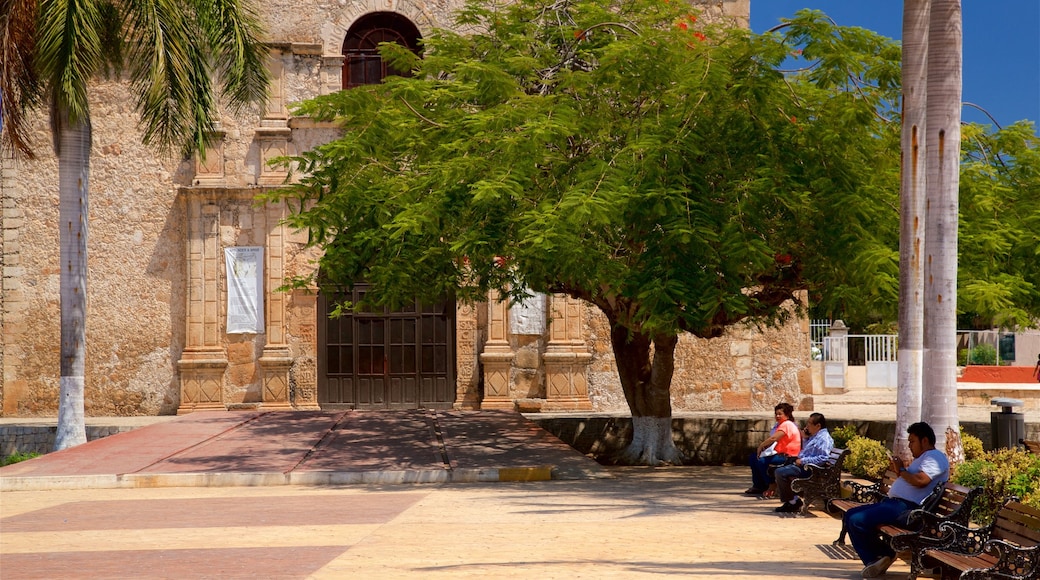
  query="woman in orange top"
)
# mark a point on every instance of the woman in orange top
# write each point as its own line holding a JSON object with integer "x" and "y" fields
{"x": 788, "y": 440}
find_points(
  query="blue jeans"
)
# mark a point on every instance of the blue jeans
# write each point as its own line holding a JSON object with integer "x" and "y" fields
{"x": 863, "y": 523}
{"x": 784, "y": 475}
{"x": 759, "y": 469}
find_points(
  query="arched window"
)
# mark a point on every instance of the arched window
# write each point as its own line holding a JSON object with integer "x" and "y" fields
{"x": 362, "y": 64}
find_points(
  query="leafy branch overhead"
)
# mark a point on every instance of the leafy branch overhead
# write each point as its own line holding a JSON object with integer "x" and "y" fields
{"x": 630, "y": 155}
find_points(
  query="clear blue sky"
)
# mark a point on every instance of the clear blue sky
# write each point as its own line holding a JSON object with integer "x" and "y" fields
{"x": 1001, "y": 47}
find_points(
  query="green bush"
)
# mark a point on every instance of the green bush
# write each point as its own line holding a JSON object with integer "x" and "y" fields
{"x": 972, "y": 446}
{"x": 983, "y": 354}
{"x": 16, "y": 457}
{"x": 1001, "y": 473}
{"x": 868, "y": 458}
{"x": 842, "y": 435}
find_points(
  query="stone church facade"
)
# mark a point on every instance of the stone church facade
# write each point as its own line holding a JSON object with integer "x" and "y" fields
{"x": 163, "y": 234}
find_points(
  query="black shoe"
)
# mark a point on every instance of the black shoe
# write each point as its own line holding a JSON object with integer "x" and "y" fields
{"x": 788, "y": 507}
{"x": 752, "y": 491}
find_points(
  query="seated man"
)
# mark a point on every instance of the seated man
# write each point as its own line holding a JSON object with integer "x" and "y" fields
{"x": 815, "y": 451}
{"x": 928, "y": 469}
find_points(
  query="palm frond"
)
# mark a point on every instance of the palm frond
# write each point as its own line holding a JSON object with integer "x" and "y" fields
{"x": 176, "y": 52}
{"x": 68, "y": 54}
{"x": 234, "y": 31}
{"x": 19, "y": 85}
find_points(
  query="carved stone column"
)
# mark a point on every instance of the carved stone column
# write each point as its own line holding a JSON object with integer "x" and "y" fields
{"x": 203, "y": 362}
{"x": 276, "y": 360}
{"x": 209, "y": 168}
{"x": 273, "y": 134}
{"x": 566, "y": 358}
{"x": 331, "y": 73}
{"x": 497, "y": 357}
{"x": 467, "y": 388}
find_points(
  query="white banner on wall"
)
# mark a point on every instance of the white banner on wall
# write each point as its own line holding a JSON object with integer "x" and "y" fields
{"x": 245, "y": 276}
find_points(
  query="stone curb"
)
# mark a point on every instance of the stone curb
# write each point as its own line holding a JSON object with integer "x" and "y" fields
{"x": 267, "y": 479}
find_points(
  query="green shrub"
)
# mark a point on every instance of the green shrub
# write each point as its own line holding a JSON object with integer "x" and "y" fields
{"x": 868, "y": 458}
{"x": 972, "y": 446}
{"x": 842, "y": 435}
{"x": 982, "y": 354}
{"x": 16, "y": 457}
{"x": 1001, "y": 473}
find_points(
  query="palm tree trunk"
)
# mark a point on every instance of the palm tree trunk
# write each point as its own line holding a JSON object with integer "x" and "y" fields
{"x": 941, "y": 218}
{"x": 646, "y": 378}
{"x": 911, "y": 230}
{"x": 72, "y": 143}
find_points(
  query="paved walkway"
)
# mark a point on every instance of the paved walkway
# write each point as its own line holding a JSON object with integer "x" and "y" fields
{"x": 639, "y": 523}
{"x": 307, "y": 448}
{"x": 233, "y": 495}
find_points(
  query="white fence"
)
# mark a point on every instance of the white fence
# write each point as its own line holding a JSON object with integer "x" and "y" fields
{"x": 877, "y": 352}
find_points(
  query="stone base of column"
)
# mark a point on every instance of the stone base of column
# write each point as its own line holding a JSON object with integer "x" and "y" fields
{"x": 202, "y": 381}
{"x": 497, "y": 367}
{"x": 274, "y": 366}
{"x": 566, "y": 386}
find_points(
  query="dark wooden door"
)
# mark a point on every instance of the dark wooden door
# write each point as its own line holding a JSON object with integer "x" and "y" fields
{"x": 386, "y": 360}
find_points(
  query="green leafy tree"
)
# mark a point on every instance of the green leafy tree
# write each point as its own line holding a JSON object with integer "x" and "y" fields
{"x": 999, "y": 283}
{"x": 173, "y": 52}
{"x": 665, "y": 171}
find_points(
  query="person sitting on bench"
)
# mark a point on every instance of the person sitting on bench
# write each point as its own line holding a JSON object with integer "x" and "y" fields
{"x": 915, "y": 482}
{"x": 788, "y": 442}
{"x": 815, "y": 451}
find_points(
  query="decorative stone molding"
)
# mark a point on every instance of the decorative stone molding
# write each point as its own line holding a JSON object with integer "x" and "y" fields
{"x": 274, "y": 366}
{"x": 204, "y": 360}
{"x": 497, "y": 357}
{"x": 276, "y": 359}
{"x": 331, "y": 73}
{"x": 209, "y": 172}
{"x": 467, "y": 388}
{"x": 566, "y": 358}
{"x": 202, "y": 380}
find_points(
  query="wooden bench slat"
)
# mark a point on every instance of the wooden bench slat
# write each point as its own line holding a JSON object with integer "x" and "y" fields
{"x": 1016, "y": 523}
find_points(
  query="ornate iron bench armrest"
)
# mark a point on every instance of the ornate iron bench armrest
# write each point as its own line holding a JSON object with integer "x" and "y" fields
{"x": 863, "y": 493}
{"x": 927, "y": 522}
{"x": 962, "y": 539}
{"x": 1013, "y": 562}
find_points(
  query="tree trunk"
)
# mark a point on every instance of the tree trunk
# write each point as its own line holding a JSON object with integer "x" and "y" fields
{"x": 911, "y": 230}
{"x": 646, "y": 379}
{"x": 72, "y": 144}
{"x": 943, "y": 158}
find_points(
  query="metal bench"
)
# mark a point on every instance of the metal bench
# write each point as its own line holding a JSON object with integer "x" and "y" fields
{"x": 1006, "y": 549}
{"x": 923, "y": 526}
{"x": 823, "y": 482}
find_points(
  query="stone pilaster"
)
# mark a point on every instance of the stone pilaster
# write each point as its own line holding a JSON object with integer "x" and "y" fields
{"x": 276, "y": 359}
{"x": 209, "y": 166}
{"x": 467, "y": 389}
{"x": 566, "y": 358}
{"x": 497, "y": 357}
{"x": 203, "y": 362}
{"x": 273, "y": 134}
{"x": 331, "y": 73}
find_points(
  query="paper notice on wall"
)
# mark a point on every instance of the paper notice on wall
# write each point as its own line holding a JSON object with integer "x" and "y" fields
{"x": 528, "y": 316}
{"x": 245, "y": 276}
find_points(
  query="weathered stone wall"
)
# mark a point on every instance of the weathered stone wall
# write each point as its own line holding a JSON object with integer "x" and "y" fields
{"x": 748, "y": 368}
{"x": 139, "y": 264}
{"x": 135, "y": 265}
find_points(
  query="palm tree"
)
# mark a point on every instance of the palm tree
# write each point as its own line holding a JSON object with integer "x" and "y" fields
{"x": 941, "y": 221}
{"x": 173, "y": 53}
{"x": 911, "y": 231}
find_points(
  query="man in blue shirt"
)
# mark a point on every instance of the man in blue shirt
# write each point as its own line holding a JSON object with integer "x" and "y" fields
{"x": 815, "y": 451}
{"x": 915, "y": 482}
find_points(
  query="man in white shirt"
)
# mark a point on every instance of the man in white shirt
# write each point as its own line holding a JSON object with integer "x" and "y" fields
{"x": 915, "y": 482}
